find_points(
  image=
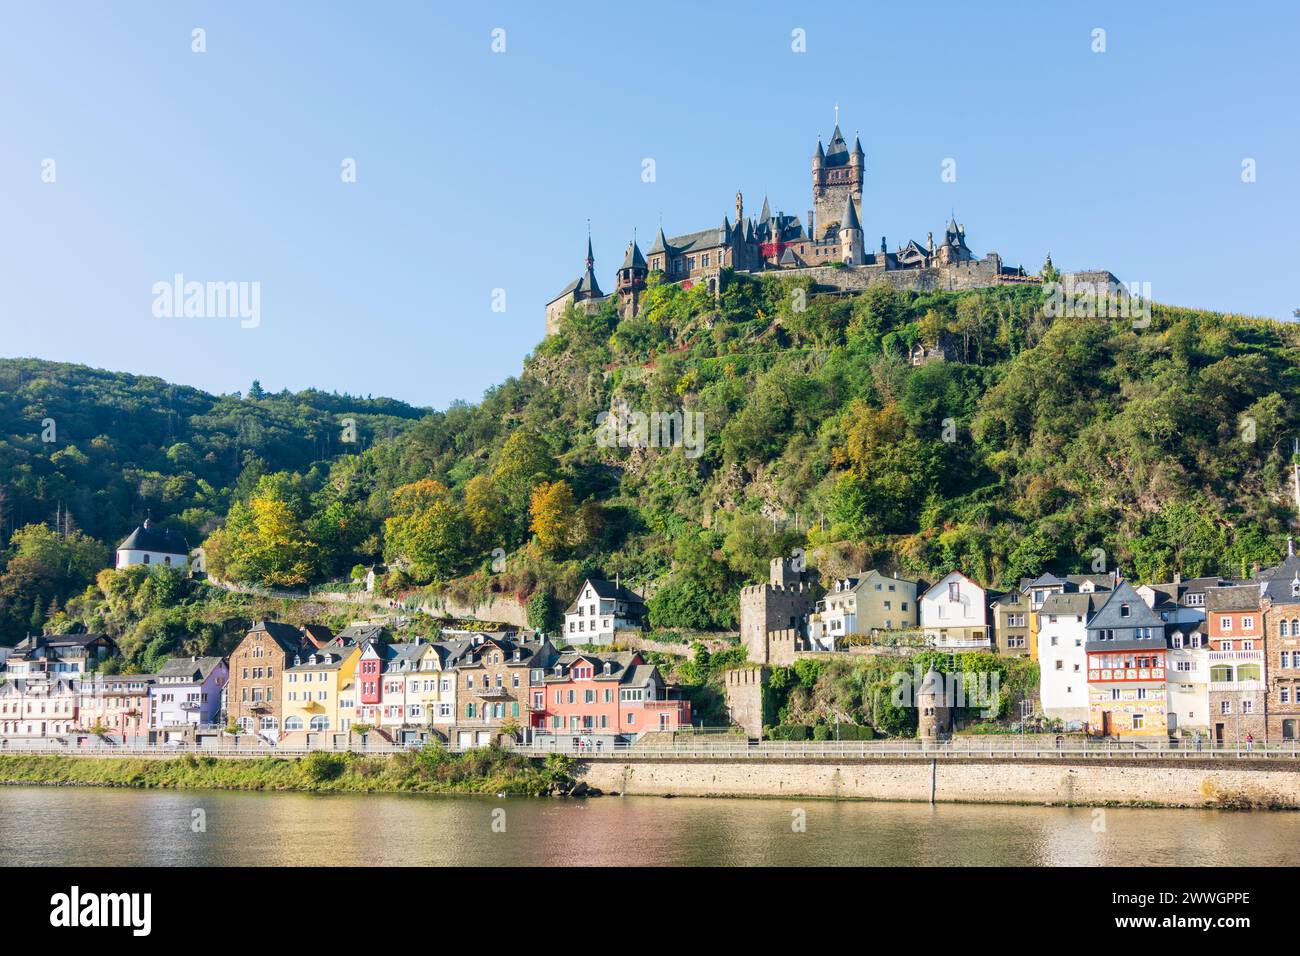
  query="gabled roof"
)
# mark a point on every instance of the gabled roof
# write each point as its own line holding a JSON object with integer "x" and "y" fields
{"x": 197, "y": 669}
{"x": 286, "y": 636}
{"x": 147, "y": 537}
{"x": 1072, "y": 602}
{"x": 1241, "y": 597}
{"x": 607, "y": 590}
{"x": 356, "y": 633}
{"x": 937, "y": 584}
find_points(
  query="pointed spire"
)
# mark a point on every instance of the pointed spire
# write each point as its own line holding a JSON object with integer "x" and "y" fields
{"x": 591, "y": 259}
{"x": 850, "y": 218}
{"x": 766, "y": 213}
{"x": 633, "y": 258}
{"x": 661, "y": 242}
{"x": 819, "y": 153}
{"x": 857, "y": 146}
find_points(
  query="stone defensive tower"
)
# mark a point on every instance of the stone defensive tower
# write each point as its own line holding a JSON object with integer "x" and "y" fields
{"x": 934, "y": 710}
{"x": 744, "y": 687}
{"x": 774, "y": 616}
{"x": 837, "y": 176}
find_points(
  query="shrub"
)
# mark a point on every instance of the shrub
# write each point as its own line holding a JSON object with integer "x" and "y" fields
{"x": 320, "y": 766}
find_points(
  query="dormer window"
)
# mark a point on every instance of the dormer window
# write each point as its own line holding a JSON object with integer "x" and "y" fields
{"x": 609, "y": 667}
{"x": 1124, "y": 610}
{"x": 954, "y": 591}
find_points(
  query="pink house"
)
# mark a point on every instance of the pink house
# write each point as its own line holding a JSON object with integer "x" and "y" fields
{"x": 116, "y": 704}
{"x": 604, "y": 696}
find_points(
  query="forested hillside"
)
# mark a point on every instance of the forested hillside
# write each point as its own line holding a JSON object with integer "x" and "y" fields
{"x": 1038, "y": 442}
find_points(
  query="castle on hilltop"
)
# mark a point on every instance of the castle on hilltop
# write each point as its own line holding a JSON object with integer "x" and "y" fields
{"x": 830, "y": 248}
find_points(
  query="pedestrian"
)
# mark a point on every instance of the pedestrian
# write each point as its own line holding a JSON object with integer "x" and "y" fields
{"x": 1250, "y": 741}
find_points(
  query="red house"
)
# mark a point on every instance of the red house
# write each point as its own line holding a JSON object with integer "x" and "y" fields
{"x": 604, "y": 696}
{"x": 370, "y": 691}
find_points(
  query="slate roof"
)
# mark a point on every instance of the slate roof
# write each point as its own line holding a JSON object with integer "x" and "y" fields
{"x": 837, "y": 153}
{"x": 633, "y": 259}
{"x": 146, "y": 537}
{"x": 1242, "y": 597}
{"x": 356, "y": 633}
{"x": 288, "y": 637}
{"x": 607, "y": 590}
{"x": 196, "y": 669}
{"x": 1110, "y": 616}
{"x": 849, "y": 220}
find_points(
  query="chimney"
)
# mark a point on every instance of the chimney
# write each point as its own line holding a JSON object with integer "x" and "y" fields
{"x": 1178, "y": 577}
{"x": 810, "y": 223}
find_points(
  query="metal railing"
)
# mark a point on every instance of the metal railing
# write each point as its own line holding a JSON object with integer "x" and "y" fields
{"x": 1119, "y": 751}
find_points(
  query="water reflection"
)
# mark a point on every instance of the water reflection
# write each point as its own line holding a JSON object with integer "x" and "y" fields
{"x": 55, "y": 826}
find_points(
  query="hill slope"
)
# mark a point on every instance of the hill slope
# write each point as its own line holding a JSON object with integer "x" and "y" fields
{"x": 1041, "y": 444}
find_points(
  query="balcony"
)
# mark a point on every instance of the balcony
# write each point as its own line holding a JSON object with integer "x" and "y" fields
{"x": 261, "y": 705}
{"x": 495, "y": 693}
{"x": 1244, "y": 656}
{"x": 1237, "y": 686}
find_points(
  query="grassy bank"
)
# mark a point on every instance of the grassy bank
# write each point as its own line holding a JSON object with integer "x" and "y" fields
{"x": 431, "y": 770}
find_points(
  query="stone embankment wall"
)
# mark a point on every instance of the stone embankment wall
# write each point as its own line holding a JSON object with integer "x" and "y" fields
{"x": 1159, "y": 782}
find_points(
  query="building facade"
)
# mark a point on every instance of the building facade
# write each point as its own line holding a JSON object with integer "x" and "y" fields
{"x": 154, "y": 547}
{"x": 186, "y": 693}
{"x": 1237, "y": 689}
{"x": 254, "y": 700}
{"x": 601, "y": 609}
{"x": 955, "y": 615}
{"x": 1126, "y": 668}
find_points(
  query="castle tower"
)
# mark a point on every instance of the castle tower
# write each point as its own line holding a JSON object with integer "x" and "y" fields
{"x": 631, "y": 280}
{"x": 851, "y": 250}
{"x": 588, "y": 287}
{"x": 934, "y": 715}
{"x": 837, "y": 175}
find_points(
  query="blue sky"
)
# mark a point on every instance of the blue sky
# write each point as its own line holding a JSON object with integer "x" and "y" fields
{"x": 479, "y": 170}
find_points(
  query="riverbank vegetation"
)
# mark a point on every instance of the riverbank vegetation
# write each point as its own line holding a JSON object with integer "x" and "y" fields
{"x": 432, "y": 769}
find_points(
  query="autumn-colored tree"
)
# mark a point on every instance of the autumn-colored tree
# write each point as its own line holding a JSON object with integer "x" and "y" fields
{"x": 428, "y": 531}
{"x": 485, "y": 507}
{"x": 264, "y": 541}
{"x": 552, "y": 510}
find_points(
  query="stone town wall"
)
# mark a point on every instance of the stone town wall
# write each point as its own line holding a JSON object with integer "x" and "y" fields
{"x": 1166, "y": 782}
{"x": 744, "y": 688}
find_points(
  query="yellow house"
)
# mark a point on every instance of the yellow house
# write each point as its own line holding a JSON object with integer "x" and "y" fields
{"x": 317, "y": 690}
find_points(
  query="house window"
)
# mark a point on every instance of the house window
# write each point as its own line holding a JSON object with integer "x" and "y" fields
{"x": 1139, "y": 720}
{"x": 954, "y": 591}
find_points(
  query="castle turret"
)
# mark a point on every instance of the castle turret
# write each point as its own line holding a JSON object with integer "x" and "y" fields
{"x": 851, "y": 252}
{"x": 934, "y": 713}
{"x": 631, "y": 279}
{"x": 588, "y": 287}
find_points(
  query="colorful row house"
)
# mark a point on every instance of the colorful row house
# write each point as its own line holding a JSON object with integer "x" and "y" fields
{"x": 186, "y": 694}
{"x": 318, "y": 688}
{"x": 117, "y": 705}
{"x": 1127, "y": 657}
{"x": 254, "y": 693}
{"x": 598, "y": 700}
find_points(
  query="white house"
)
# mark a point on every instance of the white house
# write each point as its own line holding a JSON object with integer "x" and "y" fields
{"x": 601, "y": 608}
{"x": 862, "y": 605}
{"x": 156, "y": 547}
{"x": 1187, "y": 678}
{"x": 954, "y": 614}
{"x": 1062, "y": 660}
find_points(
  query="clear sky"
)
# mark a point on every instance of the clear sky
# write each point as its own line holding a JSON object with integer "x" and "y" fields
{"x": 478, "y": 170}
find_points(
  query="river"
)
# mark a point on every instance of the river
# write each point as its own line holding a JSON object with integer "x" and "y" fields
{"x": 51, "y": 826}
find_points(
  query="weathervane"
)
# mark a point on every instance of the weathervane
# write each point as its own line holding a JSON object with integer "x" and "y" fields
{"x": 837, "y": 112}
